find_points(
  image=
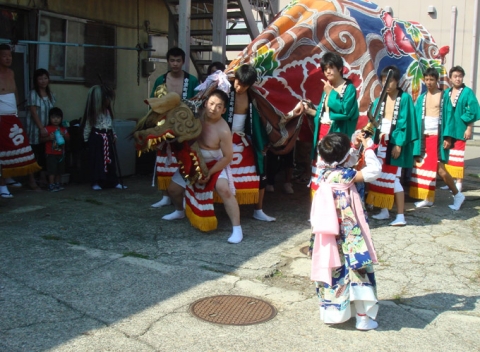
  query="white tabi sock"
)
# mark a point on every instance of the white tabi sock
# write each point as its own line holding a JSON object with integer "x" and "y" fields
{"x": 163, "y": 202}
{"x": 383, "y": 215}
{"x": 177, "y": 214}
{"x": 237, "y": 235}
{"x": 260, "y": 215}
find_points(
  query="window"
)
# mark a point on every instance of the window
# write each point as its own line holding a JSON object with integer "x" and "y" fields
{"x": 64, "y": 63}
{"x": 70, "y": 63}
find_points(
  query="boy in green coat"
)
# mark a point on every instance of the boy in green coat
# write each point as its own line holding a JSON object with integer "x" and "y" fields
{"x": 398, "y": 138}
{"x": 338, "y": 109}
{"x": 460, "y": 112}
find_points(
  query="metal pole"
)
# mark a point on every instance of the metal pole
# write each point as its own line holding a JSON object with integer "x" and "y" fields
{"x": 474, "y": 63}
{"x": 219, "y": 30}
{"x": 453, "y": 30}
{"x": 185, "y": 8}
{"x": 8, "y": 41}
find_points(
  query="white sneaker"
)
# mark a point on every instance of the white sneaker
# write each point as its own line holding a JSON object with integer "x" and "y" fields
{"x": 96, "y": 187}
{"x": 120, "y": 186}
{"x": 383, "y": 215}
{"x": 269, "y": 188}
{"x": 288, "y": 188}
{"x": 458, "y": 200}
{"x": 423, "y": 203}
{"x": 365, "y": 323}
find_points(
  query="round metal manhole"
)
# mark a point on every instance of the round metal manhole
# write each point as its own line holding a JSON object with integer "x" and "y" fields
{"x": 233, "y": 310}
{"x": 305, "y": 250}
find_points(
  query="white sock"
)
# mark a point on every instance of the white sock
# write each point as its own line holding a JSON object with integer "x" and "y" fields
{"x": 177, "y": 214}
{"x": 4, "y": 189}
{"x": 96, "y": 187}
{"x": 459, "y": 186}
{"x": 260, "y": 215}
{"x": 163, "y": 202}
{"x": 237, "y": 235}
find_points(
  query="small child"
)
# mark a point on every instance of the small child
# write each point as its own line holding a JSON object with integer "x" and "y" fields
{"x": 343, "y": 253}
{"x": 55, "y": 148}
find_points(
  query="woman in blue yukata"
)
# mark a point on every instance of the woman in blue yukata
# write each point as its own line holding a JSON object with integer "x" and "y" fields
{"x": 342, "y": 252}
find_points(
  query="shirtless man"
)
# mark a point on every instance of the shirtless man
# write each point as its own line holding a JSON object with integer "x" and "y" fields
{"x": 215, "y": 142}
{"x": 16, "y": 156}
{"x": 431, "y": 159}
{"x": 181, "y": 82}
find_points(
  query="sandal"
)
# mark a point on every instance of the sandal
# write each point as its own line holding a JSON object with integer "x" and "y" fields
{"x": 6, "y": 195}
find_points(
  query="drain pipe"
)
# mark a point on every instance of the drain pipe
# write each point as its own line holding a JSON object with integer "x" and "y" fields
{"x": 474, "y": 63}
{"x": 453, "y": 30}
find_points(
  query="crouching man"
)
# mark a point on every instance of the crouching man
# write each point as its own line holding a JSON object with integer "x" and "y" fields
{"x": 216, "y": 146}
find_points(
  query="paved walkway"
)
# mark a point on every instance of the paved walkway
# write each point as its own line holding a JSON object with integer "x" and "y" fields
{"x": 100, "y": 271}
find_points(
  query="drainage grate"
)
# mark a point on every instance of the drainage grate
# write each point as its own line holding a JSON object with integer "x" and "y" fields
{"x": 304, "y": 250}
{"x": 233, "y": 310}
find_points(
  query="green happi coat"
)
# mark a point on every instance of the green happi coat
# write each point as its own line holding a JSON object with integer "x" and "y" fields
{"x": 343, "y": 113}
{"x": 442, "y": 153}
{"x": 253, "y": 128}
{"x": 405, "y": 134}
{"x": 456, "y": 119}
{"x": 187, "y": 94}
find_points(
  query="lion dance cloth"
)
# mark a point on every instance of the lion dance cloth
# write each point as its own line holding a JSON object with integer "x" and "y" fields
{"x": 287, "y": 57}
{"x": 16, "y": 155}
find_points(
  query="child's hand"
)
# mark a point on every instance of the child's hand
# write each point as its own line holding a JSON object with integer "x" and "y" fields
{"x": 396, "y": 151}
{"x": 327, "y": 88}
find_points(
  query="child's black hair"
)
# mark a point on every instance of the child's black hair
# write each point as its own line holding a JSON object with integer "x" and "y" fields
{"x": 176, "y": 52}
{"x": 218, "y": 65}
{"x": 456, "y": 69}
{"x": 5, "y": 47}
{"x": 246, "y": 74}
{"x": 431, "y": 72}
{"x": 220, "y": 94}
{"x": 333, "y": 147}
{"x": 395, "y": 70}
{"x": 332, "y": 59}
{"x": 55, "y": 112}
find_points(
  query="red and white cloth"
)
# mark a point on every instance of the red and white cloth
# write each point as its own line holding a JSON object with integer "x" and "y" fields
{"x": 16, "y": 155}
{"x": 456, "y": 159}
{"x": 424, "y": 174}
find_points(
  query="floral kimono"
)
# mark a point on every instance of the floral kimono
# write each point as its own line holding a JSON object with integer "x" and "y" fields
{"x": 342, "y": 264}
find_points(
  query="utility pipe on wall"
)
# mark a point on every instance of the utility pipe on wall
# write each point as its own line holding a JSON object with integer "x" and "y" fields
{"x": 474, "y": 63}
{"x": 453, "y": 30}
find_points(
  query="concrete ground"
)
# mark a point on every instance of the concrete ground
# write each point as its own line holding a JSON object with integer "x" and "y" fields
{"x": 100, "y": 271}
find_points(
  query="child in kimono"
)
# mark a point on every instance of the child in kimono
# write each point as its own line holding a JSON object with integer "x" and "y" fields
{"x": 343, "y": 253}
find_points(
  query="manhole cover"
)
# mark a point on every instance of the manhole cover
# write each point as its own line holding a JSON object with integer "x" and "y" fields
{"x": 305, "y": 250}
{"x": 233, "y": 310}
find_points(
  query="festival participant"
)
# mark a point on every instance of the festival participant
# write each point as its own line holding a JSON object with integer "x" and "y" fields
{"x": 215, "y": 142}
{"x": 16, "y": 155}
{"x": 248, "y": 132}
{"x": 460, "y": 112}
{"x": 100, "y": 137}
{"x": 434, "y": 154}
{"x": 398, "y": 135}
{"x": 214, "y": 67}
{"x": 181, "y": 82}
{"x": 343, "y": 253}
{"x": 338, "y": 109}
